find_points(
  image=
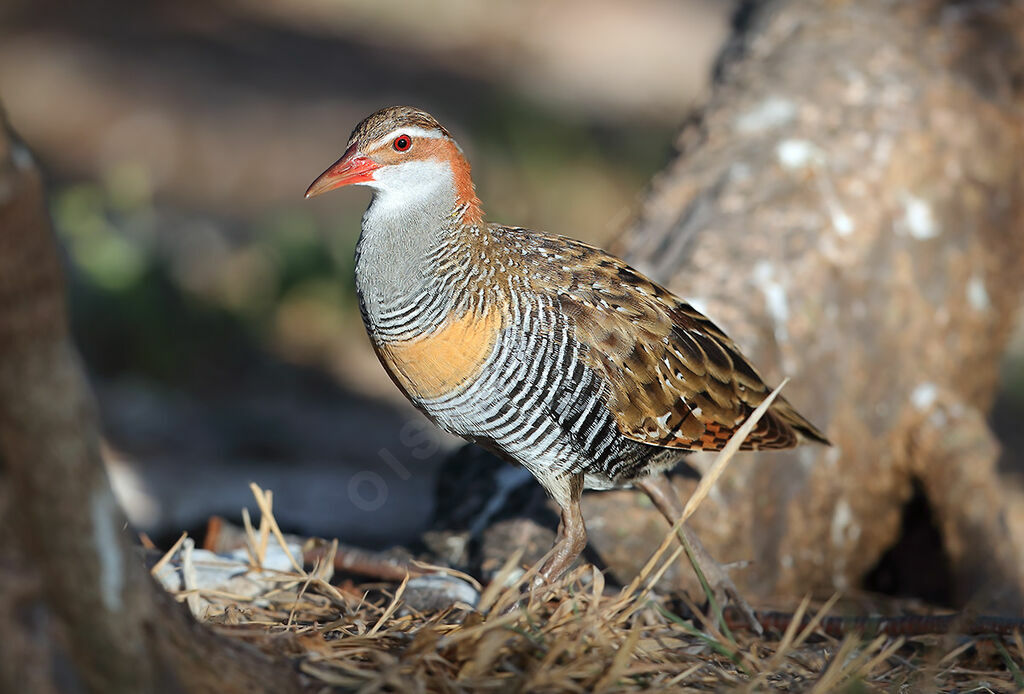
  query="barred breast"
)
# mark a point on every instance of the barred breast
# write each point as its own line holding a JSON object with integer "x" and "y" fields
{"x": 509, "y": 376}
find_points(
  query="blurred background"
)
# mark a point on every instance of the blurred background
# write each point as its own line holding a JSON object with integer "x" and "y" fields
{"x": 215, "y": 307}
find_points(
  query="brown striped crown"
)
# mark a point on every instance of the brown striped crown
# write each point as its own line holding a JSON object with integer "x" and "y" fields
{"x": 386, "y": 120}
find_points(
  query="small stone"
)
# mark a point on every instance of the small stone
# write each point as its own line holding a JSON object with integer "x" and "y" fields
{"x": 437, "y": 592}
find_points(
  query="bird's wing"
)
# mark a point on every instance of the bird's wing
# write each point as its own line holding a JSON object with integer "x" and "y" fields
{"x": 674, "y": 378}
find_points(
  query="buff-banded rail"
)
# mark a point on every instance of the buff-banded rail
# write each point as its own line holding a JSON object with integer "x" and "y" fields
{"x": 549, "y": 352}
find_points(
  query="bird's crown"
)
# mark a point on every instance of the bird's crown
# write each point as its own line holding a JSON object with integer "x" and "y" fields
{"x": 394, "y": 118}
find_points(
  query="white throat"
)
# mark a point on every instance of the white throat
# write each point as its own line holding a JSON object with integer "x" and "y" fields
{"x": 408, "y": 218}
{"x": 411, "y": 189}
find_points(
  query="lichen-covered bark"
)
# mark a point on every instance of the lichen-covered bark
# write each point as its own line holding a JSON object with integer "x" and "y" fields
{"x": 121, "y": 633}
{"x": 849, "y": 208}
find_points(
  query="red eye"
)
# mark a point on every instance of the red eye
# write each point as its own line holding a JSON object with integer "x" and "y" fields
{"x": 402, "y": 143}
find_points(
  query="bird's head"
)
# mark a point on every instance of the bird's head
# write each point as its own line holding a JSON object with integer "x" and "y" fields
{"x": 401, "y": 150}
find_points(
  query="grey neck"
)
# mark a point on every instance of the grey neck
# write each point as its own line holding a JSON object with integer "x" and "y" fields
{"x": 396, "y": 258}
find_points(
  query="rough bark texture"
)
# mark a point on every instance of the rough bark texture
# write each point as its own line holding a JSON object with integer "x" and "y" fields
{"x": 849, "y": 208}
{"x": 78, "y": 610}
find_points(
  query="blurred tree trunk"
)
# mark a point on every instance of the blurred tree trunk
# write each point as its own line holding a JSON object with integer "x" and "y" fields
{"x": 848, "y": 207}
{"x": 78, "y": 610}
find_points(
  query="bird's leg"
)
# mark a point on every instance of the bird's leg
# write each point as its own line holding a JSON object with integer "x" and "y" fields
{"x": 572, "y": 533}
{"x": 663, "y": 494}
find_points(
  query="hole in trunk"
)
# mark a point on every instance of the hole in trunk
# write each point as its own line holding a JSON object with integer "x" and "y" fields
{"x": 916, "y": 565}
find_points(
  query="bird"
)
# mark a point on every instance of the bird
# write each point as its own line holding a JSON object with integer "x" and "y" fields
{"x": 547, "y": 351}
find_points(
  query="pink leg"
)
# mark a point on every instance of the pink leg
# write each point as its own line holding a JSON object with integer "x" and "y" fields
{"x": 572, "y": 532}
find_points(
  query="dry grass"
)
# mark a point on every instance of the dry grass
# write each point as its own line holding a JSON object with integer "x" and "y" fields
{"x": 577, "y": 636}
{"x": 573, "y": 636}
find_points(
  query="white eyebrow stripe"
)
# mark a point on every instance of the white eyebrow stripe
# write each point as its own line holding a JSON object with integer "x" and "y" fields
{"x": 411, "y": 132}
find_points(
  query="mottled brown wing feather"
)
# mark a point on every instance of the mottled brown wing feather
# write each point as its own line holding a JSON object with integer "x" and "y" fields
{"x": 674, "y": 379}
